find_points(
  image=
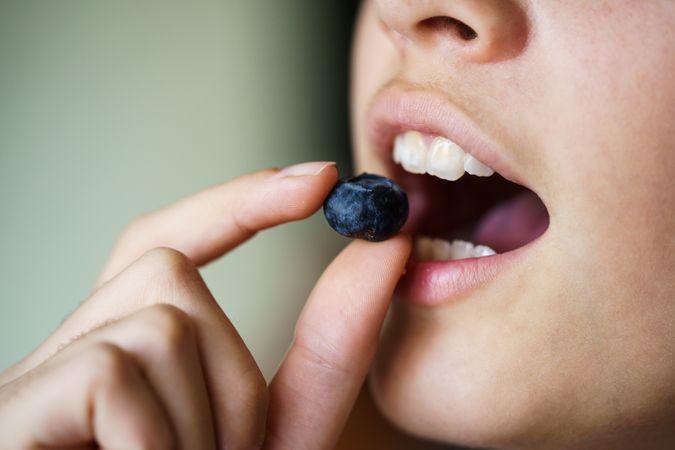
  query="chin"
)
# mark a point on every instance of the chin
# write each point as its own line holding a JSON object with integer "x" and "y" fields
{"x": 437, "y": 384}
{"x": 476, "y": 372}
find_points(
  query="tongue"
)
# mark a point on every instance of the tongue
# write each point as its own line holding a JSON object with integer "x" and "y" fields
{"x": 513, "y": 223}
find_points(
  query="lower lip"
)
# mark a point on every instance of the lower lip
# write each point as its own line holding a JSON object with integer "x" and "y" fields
{"x": 432, "y": 283}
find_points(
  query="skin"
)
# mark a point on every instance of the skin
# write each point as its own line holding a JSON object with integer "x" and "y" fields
{"x": 572, "y": 348}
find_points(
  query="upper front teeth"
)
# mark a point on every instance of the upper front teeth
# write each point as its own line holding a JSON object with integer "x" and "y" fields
{"x": 443, "y": 158}
{"x": 475, "y": 167}
{"x": 411, "y": 152}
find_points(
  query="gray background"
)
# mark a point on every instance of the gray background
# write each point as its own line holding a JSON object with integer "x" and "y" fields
{"x": 113, "y": 108}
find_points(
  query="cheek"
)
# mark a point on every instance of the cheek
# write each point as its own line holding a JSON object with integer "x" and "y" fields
{"x": 606, "y": 128}
{"x": 608, "y": 135}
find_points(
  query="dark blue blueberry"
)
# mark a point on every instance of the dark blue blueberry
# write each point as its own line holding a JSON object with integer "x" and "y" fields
{"x": 368, "y": 206}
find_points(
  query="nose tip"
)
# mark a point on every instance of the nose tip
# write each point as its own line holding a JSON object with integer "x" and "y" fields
{"x": 479, "y": 30}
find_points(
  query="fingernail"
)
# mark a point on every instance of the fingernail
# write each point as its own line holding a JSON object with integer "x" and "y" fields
{"x": 308, "y": 168}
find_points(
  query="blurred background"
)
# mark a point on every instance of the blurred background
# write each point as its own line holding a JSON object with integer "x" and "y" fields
{"x": 112, "y": 109}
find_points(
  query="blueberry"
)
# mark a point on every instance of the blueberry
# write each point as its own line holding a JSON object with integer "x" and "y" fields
{"x": 368, "y": 206}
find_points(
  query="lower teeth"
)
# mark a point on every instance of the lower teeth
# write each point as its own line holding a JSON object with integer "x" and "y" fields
{"x": 428, "y": 249}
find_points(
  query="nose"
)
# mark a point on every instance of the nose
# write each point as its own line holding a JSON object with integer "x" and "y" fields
{"x": 478, "y": 30}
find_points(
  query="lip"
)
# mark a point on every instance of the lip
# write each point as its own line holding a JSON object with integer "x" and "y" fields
{"x": 401, "y": 108}
{"x": 432, "y": 283}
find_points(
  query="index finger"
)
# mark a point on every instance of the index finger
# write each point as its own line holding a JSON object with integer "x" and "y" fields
{"x": 335, "y": 341}
{"x": 212, "y": 222}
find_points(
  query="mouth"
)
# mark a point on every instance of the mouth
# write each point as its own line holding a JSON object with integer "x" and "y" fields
{"x": 472, "y": 214}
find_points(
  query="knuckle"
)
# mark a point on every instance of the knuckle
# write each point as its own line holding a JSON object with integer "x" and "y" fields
{"x": 168, "y": 258}
{"x": 107, "y": 364}
{"x": 168, "y": 328}
{"x": 170, "y": 264}
{"x": 253, "y": 391}
{"x": 322, "y": 357}
{"x": 140, "y": 226}
{"x": 136, "y": 225}
{"x": 109, "y": 370}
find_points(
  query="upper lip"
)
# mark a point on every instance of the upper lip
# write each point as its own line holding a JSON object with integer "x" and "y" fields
{"x": 401, "y": 108}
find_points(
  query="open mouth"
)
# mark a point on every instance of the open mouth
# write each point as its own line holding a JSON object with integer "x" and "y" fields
{"x": 459, "y": 207}
{"x": 468, "y": 221}
{"x": 471, "y": 214}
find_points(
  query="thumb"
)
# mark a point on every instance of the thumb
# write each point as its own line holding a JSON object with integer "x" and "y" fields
{"x": 336, "y": 337}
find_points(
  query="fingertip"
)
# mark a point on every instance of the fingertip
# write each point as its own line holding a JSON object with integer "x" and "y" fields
{"x": 326, "y": 177}
{"x": 298, "y": 196}
{"x": 330, "y": 170}
{"x": 403, "y": 240}
{"x": 406, "y": 243}
{"x": 377, "y": 265}
{"x": 398, "y": 246}
{"x": 321, "y": 176}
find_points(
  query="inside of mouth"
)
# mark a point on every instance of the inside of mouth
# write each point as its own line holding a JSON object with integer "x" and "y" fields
{"x": 487, "y": 211}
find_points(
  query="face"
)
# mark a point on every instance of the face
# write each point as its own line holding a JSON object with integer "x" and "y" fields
{"x": 565, "y": 337}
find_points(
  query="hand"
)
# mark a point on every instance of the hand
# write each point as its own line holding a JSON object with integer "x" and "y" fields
{"x": 151, "y": 361}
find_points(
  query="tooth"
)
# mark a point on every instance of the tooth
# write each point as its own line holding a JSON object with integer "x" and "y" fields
{"x": 445, "y": 159}
{"x": 475, "y": 167}
{"x": 413, "y": 152}
{"x": 483, "y": 250}
{"x": 423, "y": 248}
{"x": 398, "y": 148}
{"x": 441, "y": 249}
{"x": 461, "y": 249}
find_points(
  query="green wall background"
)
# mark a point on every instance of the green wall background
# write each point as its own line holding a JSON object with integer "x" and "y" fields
{"x": 109, "y": 109}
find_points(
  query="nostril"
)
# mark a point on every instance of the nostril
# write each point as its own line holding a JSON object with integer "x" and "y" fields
{"x": 445, "y": 24}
